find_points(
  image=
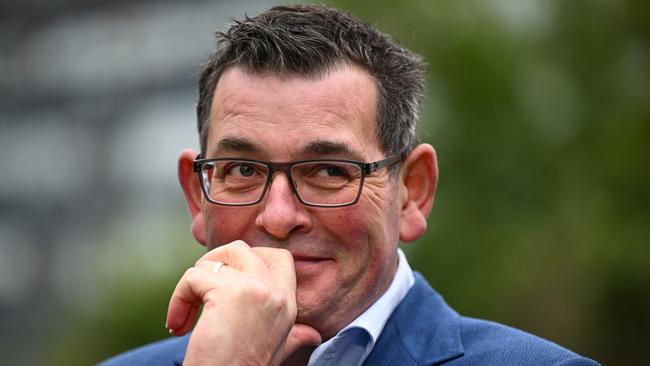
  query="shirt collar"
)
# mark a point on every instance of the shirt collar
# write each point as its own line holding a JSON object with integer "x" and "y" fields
{"x": 364, "y": 331}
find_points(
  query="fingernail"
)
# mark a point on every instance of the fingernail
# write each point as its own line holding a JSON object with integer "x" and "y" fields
{"x": 171, "y": 332}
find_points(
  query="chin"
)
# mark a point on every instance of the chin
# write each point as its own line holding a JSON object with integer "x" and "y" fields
{"x": 310, "y": 308}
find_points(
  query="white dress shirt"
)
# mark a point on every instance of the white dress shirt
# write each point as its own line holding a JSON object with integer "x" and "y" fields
{"x": 353, "y": 343}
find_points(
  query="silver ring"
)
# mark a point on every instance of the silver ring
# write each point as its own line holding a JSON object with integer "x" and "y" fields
{"x": 217, "y": 266}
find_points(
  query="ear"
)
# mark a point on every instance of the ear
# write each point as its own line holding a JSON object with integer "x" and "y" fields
{"x": 192, "y": 192}
{"x": 418, "y": 180}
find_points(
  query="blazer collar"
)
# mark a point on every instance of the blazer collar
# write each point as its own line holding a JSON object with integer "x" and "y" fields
{"x": 423, "y": 329}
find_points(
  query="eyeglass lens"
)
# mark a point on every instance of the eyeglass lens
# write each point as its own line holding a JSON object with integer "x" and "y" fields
{"x": 319, "y": 183}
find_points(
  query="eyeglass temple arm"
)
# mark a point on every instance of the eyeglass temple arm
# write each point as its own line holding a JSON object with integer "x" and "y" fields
{"x": 369, "y": 168}
{"x": 195, "y": 164}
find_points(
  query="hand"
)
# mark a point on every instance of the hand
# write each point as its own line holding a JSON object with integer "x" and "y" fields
{"x": 249, "y": 308}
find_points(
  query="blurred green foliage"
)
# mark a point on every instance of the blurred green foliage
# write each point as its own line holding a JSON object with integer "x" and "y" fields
{"x": 540, "y": 114}
{"x": 132, "y": 281}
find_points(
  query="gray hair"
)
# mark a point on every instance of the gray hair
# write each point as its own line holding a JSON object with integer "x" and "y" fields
{"x": 310, "y": 41}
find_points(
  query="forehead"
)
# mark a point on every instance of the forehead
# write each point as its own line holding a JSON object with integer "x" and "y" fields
{"x": 282, "y": 115}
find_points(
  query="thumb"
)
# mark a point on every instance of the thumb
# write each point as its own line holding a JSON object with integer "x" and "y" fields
{"x": 301, "y": 335}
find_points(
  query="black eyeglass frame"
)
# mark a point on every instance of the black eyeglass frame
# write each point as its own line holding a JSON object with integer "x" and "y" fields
{"x": 272, "y": 167}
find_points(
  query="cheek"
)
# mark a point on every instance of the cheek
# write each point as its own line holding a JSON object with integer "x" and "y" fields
{"x": 382, "y": 211}
{"x": 349, "y": 225}
{"x": 365, "y": 234}
{"x": 345, "y": 233}
{"x": 224, "y": 224}
{"x": 382, "y": 225}
{"x": 367, "y": 238}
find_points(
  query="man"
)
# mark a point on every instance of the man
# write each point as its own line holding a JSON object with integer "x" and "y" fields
{"x": 309, "y": 176}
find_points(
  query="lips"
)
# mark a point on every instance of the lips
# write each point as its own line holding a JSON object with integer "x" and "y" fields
{"x": 306, "y": 264}
{"x": 307, "y": 258}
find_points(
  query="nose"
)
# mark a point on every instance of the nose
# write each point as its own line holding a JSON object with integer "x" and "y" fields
{"x": 281, "y": 213}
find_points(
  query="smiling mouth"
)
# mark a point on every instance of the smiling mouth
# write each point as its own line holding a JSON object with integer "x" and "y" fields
{"x": 301, "y": 258}
{"x": 306, "y": 264}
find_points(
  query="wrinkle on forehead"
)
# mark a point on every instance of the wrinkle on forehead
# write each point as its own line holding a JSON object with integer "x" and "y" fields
{"x": 308, "y": 94}
{"x": 344, "y": 100}
{"x": 319, "y": 147}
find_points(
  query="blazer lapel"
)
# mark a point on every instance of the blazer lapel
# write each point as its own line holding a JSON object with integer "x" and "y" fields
{"x": 180, "y": 349}
{"x": 423, "y": 330}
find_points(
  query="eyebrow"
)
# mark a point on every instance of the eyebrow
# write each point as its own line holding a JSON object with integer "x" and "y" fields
{"x": 236, "y": 144}
{"x": 326, "y": 147}
{"x": 317, "y": 147}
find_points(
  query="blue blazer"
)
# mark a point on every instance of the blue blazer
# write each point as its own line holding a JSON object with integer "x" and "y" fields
{"x": 423, "y": 330}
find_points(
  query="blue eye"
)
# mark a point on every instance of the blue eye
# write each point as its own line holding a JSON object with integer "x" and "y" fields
{"x": 246, "y": 170}
{"x": 331, "y": 171}
{"x": 241, "y": 170}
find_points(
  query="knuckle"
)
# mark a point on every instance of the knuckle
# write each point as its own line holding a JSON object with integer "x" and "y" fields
{"x": 285, "y": 254}
{"x": 245, "y": 292}
{"x": 278, "y": 299}
{"x": 202, "y": 262}
{"x": 263, "y": 294}
{"x": 259, "y": 292}
{"x": 190, "y": 272}
{"x": 211, "y": 298}
{"x": 192, "y": 275}
{"x": 238, "y": 245}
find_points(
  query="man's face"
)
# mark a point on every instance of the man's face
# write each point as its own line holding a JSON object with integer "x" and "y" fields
{"x": 344, "y": 257}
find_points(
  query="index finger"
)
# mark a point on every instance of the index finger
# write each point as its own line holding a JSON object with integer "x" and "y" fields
{"x": 280, "y": 266}
{"x": 237, "y": 255}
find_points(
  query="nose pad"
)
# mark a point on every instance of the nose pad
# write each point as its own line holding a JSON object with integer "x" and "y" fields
{"x": 286, "y": 182}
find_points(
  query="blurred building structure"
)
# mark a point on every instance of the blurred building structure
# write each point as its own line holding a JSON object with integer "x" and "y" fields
{"x": 96, "y": 101}
{"x": 539, "y": 111}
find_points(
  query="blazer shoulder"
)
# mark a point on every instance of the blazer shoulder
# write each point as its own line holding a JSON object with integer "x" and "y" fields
{"x": 485, "y": 340}
{"x": 166, "y": 352}
{"x": 424, "y": 330}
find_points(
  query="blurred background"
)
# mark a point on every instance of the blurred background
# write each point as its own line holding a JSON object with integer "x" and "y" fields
{"x": 539, "y": 111}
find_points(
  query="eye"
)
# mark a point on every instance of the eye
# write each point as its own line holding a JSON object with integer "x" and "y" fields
{"x": 242, "y": 170}
{"x": 331, "y": 171}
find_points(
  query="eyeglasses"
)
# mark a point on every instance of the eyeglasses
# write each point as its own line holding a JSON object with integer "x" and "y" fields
{"x": 319, "y": 183}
